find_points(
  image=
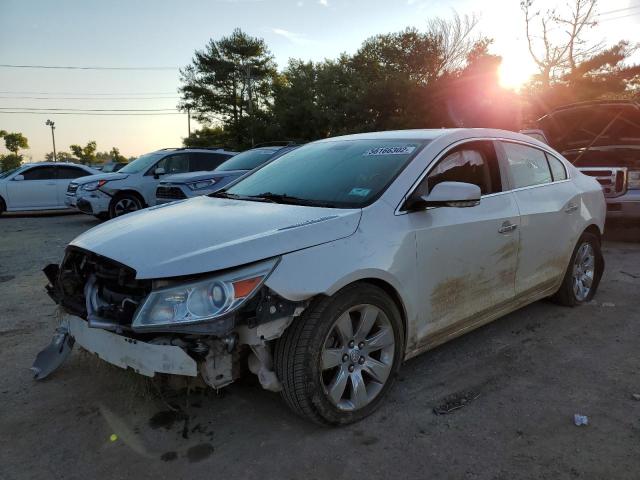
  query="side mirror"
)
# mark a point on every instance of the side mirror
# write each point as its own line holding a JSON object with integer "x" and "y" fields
{"x": 449, "y": 194}
{"x": 158, "y": 171}
{"x": 18, "y": 177}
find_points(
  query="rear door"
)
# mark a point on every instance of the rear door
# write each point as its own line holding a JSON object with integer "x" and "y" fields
{"x": 66, "y": 173}
{"x": 466, "y": 256}
{"x": 37, "y": 190}
{"x": 549, "y": 211}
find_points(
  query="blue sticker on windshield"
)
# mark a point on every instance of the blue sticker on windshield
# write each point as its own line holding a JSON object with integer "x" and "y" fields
{"x": 397, "y": 150}
{"x": 360, "y": 192}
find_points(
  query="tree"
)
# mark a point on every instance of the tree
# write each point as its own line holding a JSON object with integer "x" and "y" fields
{"x": 60, "y": 157}
{"x": 555, "y": 54}
{"x": 9, "y": 162}
{"x": 228, "y": 83}
{"x": 207, "y": 137}
{"x": 14, "y": 141}
{"x": 116, "y": 156}
{"x": 86, "y": 154}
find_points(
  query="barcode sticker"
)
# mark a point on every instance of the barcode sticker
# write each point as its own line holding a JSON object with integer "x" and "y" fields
{"x": 398, "y": 150}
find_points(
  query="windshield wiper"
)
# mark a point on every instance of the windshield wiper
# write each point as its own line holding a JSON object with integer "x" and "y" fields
{"x": 291, "y": 200}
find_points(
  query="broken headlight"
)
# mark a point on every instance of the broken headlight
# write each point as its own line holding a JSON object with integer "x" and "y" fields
{"x": 201, "y": 300}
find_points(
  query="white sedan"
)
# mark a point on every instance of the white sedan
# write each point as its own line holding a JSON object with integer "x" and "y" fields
{"x": 38, "y": 186}
{"x": 334, "y": 263}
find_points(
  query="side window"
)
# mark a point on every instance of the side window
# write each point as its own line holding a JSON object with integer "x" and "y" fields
{"x": 40, "y": 173}
{"x": 71, "y": 172}
{"x": 178, "y": 163}
{"x": 206, "y": 161}
{"x": 528, "y": 165}
{"x": 472, "y": 162}
{"x": 557, "y": 168}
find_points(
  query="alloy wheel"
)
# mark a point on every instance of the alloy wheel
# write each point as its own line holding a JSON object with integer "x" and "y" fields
{"x": 357, "y": 357}
{"x": 583, "y": 271}
{"x": 124, "y": 206}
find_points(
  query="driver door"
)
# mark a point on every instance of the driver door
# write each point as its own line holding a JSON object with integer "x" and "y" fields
{"x": 466, "y": 256}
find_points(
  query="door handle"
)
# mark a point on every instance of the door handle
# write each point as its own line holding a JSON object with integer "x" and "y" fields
{"x": 572, "y": 207}
{"x": 507, "y": 227}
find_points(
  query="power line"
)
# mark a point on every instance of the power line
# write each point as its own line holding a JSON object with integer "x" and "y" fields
{"x": 618, "y": 18}
{"x": 91, "y": 109}
{"x": 88, "y": 98}
{"x": 67, "y": 67}
{"x": 635, "y": 7}
{"x": 84, "y": 93}
{"x": 88, "y": 113}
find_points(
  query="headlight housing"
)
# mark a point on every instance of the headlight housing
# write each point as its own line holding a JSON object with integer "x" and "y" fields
{"x": 91, "y": 186}
{"x": 633, "y": 179}
{"x": 201, "y": 184}
{"x": 201, "y": 300}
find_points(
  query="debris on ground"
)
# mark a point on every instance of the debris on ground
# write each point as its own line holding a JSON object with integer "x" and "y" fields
{"x": 580, "y": 420}
{"x": 608, "y": 304}
{"x": 455, "y": 402}
{"x": 636, "y": 396}
{"x": 632, "y": 275}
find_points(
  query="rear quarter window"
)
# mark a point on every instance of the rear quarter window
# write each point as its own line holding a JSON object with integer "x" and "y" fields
{"x": 557, "y": 168}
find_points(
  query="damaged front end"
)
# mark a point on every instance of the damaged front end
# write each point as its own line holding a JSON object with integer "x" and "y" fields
{"x": 205, "y": 325}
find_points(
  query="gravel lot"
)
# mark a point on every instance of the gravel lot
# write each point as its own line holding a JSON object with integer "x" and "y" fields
{"x": 526, "y": 375}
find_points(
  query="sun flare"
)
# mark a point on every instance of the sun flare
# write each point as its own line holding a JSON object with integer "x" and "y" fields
{"x": 513, "y": 74}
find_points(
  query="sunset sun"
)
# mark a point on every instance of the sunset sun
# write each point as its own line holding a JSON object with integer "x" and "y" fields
{"x": 513, "y": 73}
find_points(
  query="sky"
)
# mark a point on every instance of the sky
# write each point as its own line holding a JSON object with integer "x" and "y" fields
{"x": 164, "y": 33}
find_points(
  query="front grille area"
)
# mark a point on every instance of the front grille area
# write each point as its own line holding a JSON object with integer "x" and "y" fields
{"x": 613, "y": 180}
{"x": 72, "y": 188}
{"x": 113, "y": 291}
{"x": 166, "y": 191}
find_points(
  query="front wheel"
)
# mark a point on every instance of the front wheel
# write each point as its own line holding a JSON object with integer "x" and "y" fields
{"x": 124, "y": 203}
{"x": 337, "y": 361}
{"x": 583, "y": 274}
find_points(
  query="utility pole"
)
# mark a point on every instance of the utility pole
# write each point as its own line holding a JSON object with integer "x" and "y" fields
{"x": 189, "y": 120}
{"x": 53, "y": 137}
{"x": 250, "y": 103}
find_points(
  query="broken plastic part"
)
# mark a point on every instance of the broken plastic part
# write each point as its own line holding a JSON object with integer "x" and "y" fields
{"x": 54, "y": 355}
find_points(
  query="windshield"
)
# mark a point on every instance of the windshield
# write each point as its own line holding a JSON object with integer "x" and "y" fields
{"x": 248, "y": 160}
{"x": 8, "y": 172}
{"x": 341, "y": 173}
{"x": 141, "y": 163}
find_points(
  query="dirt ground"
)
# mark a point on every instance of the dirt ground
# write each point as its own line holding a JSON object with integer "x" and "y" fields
{"x": 525, "y": 377}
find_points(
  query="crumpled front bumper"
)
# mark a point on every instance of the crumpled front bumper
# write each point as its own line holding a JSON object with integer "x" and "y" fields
{"x": 124, "y": 352}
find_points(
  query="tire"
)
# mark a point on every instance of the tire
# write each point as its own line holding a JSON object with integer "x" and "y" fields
{"x": 124, "y": 203}
{"x": 3, "y": 206}
{"x": 314, "y": 356}
{"x": 572, "y": 291}
{"x": 102, "y": 216}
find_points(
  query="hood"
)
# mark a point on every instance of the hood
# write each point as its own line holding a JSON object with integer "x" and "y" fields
{"x": 598, "y": 123}
{"x": 205, "y": 234}
{"x": 100, "y": 176}
{"x": 181, "y": 178}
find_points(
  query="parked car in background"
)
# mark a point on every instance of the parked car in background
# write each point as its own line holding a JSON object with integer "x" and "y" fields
{"x": 187, "y": 185}
{"x": 133, "y": 187}
{"x": 602, "y": 139}
{"x": 332, "y": 264}
{"x": 112, "y": 167}
{"x": 39, "y": 186}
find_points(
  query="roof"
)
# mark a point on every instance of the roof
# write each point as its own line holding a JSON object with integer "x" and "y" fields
{"x": 47, "y": 164}
{"x": 433, "y": 134}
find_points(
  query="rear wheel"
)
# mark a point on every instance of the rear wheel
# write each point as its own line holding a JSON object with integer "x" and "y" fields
{"x": 339, "y": 359}
{"x": 3, "y": 206}
{"x": 124, "y": 203}
{"x": 583, "y": 274}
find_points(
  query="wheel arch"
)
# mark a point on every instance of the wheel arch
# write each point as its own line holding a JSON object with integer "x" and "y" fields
{"x": 130, "y": 191}
{"x": 595, "y": 230}
{"x": 3, "y": 204}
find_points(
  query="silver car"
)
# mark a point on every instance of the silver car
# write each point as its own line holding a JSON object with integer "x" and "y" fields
{"x": 328, "y": 267}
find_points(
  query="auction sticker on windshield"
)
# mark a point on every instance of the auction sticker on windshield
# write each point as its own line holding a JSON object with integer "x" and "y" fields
{"x": 398, "y": 150}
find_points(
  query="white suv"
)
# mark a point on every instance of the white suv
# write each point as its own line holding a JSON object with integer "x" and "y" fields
{"x": 133, "y": 187}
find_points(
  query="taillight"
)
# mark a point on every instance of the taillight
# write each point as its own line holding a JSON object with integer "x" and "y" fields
{"x": 633, "y": 180}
